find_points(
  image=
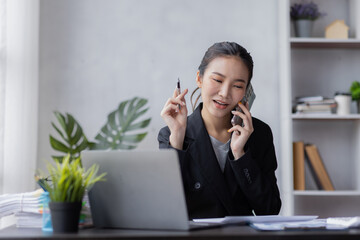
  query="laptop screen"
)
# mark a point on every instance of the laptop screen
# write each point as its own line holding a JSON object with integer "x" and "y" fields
{"x": 143, "y": 190}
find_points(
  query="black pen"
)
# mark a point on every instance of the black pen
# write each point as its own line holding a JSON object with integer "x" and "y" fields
{"x": 178, "y": 90}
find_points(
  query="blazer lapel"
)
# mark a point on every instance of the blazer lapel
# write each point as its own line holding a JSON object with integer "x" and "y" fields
{"x": 202, "y": 152}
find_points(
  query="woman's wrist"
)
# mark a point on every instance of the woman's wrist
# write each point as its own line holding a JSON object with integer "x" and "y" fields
{"x": 177, "y": 140}
{"x": 238, "y": 154}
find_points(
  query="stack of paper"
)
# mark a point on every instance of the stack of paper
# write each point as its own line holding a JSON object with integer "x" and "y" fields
{"x": 27, "y": 208}
{"x": 256, "y": 219}
{"x": 28, "y": 220}
{"x": 280, "y": 223}
{"x": 347, "y": 222}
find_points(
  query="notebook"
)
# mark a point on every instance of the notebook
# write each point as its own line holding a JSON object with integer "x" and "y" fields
{"x": 143, "y": 190}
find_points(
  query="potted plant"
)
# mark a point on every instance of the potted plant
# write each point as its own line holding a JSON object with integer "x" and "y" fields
{"x": 69, "y": 181}
{"x": 355, "y": 93}
{"x": 303, "y": 14}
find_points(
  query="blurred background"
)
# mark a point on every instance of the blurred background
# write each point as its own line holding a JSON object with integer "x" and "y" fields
{"x": 84, "y": 57}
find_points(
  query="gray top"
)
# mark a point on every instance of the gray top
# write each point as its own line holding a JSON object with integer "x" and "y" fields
{"x": 221, "y": 150}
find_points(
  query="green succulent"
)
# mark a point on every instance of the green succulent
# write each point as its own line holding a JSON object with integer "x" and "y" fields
{"x": 69, "y": 180}
{"x": 355, "y": 90}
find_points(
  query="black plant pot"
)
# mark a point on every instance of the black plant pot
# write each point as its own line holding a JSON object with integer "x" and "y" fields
{"x": 65, "y": 216}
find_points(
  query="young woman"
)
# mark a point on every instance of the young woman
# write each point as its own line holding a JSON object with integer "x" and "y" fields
{"x": 226, "y": 170}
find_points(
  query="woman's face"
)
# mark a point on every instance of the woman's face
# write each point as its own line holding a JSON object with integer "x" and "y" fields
{"x": 223, "y": 85}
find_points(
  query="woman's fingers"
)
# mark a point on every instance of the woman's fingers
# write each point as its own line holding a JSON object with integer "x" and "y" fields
{"x": 168, "y": 109}
{"x": 174, "y": 104}
{"x": 175, "y": 101}
{"x": 245, "y": 115}
{"x": 182, "y": 95}
{"x": 176, "y": 93}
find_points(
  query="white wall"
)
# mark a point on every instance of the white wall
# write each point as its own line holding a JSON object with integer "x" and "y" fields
{"x": 97, "y": 53}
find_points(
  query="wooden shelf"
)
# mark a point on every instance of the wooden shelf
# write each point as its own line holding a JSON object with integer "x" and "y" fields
{"x": 324, "y": 43}
{"x": 314, "y": 116}
{"x": 327, "y": 193}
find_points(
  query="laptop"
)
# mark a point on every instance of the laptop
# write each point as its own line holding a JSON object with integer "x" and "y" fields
{"x": 143, "y": 190}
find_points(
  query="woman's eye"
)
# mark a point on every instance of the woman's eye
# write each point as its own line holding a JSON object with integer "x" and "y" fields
{"x": 237, "y": 86}
{"x": 216, "y": 80}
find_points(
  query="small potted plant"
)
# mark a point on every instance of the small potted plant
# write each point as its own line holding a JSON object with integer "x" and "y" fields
{"x": 355, "y": 93}
{"x": 69, "y": 180}
{"x": 304, "y": 14}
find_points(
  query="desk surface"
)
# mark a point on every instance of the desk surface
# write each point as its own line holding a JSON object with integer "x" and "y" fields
{"x": 229, "y": 232}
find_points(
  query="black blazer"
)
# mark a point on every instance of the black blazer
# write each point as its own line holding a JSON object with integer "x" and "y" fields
{"x": 247, "y": 184}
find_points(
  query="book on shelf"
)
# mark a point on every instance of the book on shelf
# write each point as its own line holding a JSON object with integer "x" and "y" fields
{"x": 315, "y": 104}
{"x": 303, "y": 108}
{"x": 317, "y": 167}
{"x": 299, "y": 165}
{"x": 309, "y": 98}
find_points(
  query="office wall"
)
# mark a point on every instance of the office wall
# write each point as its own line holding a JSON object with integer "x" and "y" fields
{"x": 96, "y": 53}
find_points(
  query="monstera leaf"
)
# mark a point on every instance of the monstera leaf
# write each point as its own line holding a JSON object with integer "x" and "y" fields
{"x": 122, "y": 128}
{"x": 72, "y": 139}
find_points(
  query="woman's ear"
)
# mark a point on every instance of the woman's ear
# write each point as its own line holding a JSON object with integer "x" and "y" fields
{"x": 198, "y": 79}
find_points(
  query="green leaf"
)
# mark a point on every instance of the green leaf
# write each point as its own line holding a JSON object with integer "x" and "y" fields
{"x": 134, "y": 138}
{"x": 82, "y": 146}
{"x": 69, "y": 180}
{"x": 355, "y": 90}
{"x": 58, "y": 158}
{"x": 78, "y": 134}
{"x": 70, "y": 124}
{"x": 61, "y": 119}
{"x": 141, "y": 124}
{"x": 59, "y": 132}
{"x": 73, "y": 140}
{"x": 117, "y": 132}
{"x": 111, "y": 118}
{"x": 124, "y": 146}
{"x": 59, "y": 146}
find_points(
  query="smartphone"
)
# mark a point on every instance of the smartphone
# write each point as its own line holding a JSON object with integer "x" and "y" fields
{"x": 249, "y": 97}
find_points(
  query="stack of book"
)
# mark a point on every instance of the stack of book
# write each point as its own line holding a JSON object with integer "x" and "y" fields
{"x": 309, "y": 153}
{"x": 315, "y": 104}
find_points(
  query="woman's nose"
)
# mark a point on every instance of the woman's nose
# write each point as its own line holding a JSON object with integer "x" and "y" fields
{"x": 224, "y": 91}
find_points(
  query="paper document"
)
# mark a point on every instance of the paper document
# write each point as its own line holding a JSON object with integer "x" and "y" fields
{"x": 314, "y": 224}
{"x": 348, "y": 222}
{"x": 298, "y": 225}
{"x": 256, "y": 219}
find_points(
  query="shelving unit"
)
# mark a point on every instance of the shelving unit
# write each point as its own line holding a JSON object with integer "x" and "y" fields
{"x": 324, "y": 43}
{"x": 319, "y": 66}
{"x": 299, "y": 116}
{"x": 327, "y": 193}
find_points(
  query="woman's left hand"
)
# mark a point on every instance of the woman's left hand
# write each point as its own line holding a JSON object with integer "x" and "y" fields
{"x": 240, "y": 135}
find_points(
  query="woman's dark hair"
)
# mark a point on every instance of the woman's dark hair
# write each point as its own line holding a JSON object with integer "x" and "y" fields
{"x": 224, "y": 49}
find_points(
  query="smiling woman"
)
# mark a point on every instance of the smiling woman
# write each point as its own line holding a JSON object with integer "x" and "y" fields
{"x": 227, "y": 169}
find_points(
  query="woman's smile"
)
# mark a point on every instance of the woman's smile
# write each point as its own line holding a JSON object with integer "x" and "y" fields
{"x": 219, "y": 104}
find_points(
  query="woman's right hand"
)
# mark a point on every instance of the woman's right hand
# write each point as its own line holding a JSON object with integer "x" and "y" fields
{"x": 175, "y": 118}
